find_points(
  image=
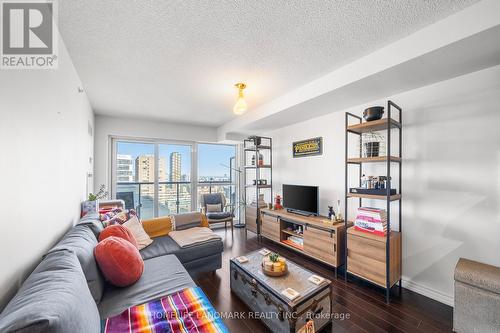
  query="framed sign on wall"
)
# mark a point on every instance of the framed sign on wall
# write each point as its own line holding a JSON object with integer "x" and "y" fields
{"x": 309, "y": 147}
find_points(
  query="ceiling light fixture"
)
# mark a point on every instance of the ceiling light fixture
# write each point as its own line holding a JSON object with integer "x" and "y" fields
{"x": 241, "y": 106}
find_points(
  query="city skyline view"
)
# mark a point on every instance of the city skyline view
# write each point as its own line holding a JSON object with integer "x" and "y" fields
{"x": 135, "y": 163}
{"x": 210, "y": 157}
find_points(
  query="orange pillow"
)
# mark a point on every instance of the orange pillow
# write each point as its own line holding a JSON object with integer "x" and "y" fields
{"x": 119, "y": 261}
{"x": 157, "y": 227}
{"x": 118, "y": 230}
{"x": 161, "y": 226}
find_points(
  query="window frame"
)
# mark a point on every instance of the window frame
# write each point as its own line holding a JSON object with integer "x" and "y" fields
{"x": 195, "y": 183}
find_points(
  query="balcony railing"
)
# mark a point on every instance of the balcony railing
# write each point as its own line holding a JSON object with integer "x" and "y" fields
{"x": 173, "y": 197}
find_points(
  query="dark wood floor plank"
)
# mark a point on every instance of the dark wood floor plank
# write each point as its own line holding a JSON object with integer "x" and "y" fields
{"x": 362, "y": 305}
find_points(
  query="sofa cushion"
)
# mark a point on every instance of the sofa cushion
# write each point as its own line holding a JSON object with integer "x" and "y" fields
{"x": 186, "y": 220}
{"x": 162, "y": 276}
{"x": 140, "y": 235}
{"x": 120, "y": 217}
{"x": 219, "y": 215}
{"x": 91, "y": 220}
{"x": 81, "y": 240}
{"x": 119, "y": 261}
{"x": 55, "y": 298}
{"x": 120, "y": 232}
{"x": 166, "y": 245}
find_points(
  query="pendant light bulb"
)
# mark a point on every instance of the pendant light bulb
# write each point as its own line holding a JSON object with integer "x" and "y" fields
{"x": 240, "y": 106}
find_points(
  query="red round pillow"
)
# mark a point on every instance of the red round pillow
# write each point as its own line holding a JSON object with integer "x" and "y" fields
{"x": 119, "y": 260}
{"x": 118, "y": 230}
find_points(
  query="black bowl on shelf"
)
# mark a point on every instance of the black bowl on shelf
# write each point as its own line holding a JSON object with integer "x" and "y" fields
{"x": 373, "y": 113}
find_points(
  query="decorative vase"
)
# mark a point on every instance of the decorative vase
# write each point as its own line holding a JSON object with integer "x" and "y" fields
{"x": 277, "y": 203}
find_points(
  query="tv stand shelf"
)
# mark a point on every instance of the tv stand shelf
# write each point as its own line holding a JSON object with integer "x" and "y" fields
{"x": 322, "y": 239}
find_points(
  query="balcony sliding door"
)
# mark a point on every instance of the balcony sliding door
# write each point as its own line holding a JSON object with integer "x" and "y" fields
{"x": 218, "y": 171}
{"x": 152, "y": 177}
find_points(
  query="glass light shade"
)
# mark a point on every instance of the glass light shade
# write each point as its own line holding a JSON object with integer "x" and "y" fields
{"x": 240, "y": 107}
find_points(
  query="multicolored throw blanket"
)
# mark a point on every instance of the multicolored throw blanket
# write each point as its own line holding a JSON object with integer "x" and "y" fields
{"x": 186, "y": 311}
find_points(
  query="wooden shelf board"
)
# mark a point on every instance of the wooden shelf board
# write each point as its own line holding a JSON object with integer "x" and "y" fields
{"x": 259, "y": 186}
{"x": 257, "y": 148}
{"x": 368, "y": 235}
{"x": 372, "y": 126}
{"x": 265, "y": 166}
{"x": 359, "y": 160}
{"x": 291, "y": 233}
{"x": 372, "y": 196}
{"x": 291, "y": 244}
{"x": 320, "y": 221}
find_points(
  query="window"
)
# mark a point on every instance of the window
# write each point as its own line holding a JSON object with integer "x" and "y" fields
{"x": 154, "y": 178}
{"x": 217, "y": 171}
{"x": 159, "y": 178}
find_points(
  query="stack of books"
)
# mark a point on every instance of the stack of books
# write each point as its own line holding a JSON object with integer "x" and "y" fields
{"x": 296, "y": 240}
{"x": 371, "y": 220}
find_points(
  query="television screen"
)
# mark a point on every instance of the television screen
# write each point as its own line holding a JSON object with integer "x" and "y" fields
{"x": 301, "y": 198}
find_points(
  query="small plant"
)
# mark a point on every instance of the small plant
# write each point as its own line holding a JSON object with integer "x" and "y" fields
{"x": 274, "y": 257}
{"x": 99, "y": 195}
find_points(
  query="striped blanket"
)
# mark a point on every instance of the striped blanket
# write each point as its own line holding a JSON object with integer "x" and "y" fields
{"x": 186, "y": 311}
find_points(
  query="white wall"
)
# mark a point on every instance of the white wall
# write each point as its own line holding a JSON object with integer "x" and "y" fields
{"x": 107, "y": 127}
{"x": 451, "y": 174}
{"x": 45, "y": 149}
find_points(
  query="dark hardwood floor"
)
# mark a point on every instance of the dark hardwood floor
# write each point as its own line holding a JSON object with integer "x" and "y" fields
{"x": 361, "y": 305}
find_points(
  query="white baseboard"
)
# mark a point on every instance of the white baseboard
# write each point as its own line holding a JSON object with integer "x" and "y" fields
{"x": 428, "y": 292}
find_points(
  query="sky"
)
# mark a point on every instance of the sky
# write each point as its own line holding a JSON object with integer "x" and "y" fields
{"x": 210, "y": 156}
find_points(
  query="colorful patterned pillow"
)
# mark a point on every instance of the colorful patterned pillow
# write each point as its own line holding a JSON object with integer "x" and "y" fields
{"x": 110, "y": 214}
{"x": 121, "y": 217}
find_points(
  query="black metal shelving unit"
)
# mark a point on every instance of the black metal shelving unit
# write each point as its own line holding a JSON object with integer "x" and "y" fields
{"x": 256, "y": 145}
{"x": 383, "y": 125}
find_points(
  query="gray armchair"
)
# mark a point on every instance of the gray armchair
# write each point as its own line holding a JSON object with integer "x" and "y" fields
{"x": 214, "y": 206}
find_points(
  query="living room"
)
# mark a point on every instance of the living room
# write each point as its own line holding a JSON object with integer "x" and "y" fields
{"x": 281, "y": 166}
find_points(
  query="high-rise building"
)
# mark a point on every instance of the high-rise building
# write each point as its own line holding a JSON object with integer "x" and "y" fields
{"x": 145, "y": 169}
{"x": 145, "y": 172}
{"x": 175, "y": 167}
{"x": 124, "y": 168}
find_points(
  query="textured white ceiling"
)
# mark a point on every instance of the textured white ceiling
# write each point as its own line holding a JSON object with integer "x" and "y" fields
{"x": 178, "y": 60}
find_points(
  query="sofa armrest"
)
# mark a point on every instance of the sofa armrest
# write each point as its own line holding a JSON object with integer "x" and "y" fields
{"x": 157, "y": 227}
{"x": 477, "y": 274}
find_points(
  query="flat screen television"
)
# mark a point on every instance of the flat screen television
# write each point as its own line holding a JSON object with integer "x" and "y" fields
{"x": 301, "y": 199}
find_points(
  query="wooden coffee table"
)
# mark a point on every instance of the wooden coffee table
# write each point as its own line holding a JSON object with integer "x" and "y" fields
{"x": 263, "y": 295}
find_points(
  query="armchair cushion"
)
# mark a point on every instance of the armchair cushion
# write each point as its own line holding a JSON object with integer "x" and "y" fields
{"x": 219, "y": 215}
{"x": 213, "y": 208}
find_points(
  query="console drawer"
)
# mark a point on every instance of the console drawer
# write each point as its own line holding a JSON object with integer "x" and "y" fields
{"x": 366, "y": 256}
{"x": 321, "y": 244}
{"x": 270, "y": 227}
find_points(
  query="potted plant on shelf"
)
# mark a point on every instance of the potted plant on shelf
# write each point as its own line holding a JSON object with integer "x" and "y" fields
{"x": 92, "y": 202}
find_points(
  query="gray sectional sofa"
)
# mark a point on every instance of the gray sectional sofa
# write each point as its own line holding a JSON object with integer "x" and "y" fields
{"x": 67, "y": 293}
